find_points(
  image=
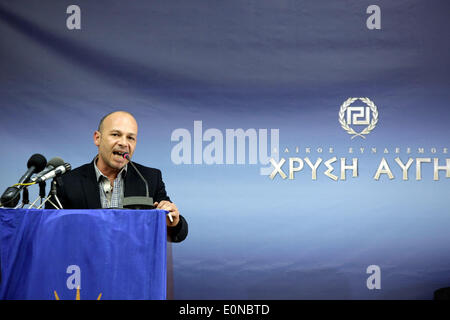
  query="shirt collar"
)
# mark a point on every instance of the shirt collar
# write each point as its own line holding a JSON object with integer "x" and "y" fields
{"x": 122, "y": 173}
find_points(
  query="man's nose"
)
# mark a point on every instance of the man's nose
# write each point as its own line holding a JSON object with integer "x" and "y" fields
{"x": 123, "y": 141}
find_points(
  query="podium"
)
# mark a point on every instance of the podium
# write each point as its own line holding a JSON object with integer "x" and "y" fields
{"x": 102, "y": 254}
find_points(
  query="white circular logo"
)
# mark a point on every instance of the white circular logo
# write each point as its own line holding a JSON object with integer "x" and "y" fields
{"x": 358, "y": 115}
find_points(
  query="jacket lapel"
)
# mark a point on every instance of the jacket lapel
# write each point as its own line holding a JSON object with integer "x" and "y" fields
{"x": 90, "y": 188}
{"x": 134, "y": 186}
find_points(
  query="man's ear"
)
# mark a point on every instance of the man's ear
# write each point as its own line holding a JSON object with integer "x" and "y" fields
{"x": 97, "y": 137}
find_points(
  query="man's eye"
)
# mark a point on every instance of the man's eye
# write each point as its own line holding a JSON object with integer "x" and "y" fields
{"x": 131, "y": 138}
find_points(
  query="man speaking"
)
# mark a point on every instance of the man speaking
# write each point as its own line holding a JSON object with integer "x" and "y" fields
{"x": 105, "y": 181}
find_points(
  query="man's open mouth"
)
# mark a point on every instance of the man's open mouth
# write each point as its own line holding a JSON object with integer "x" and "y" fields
{"x": 119, "y": 153}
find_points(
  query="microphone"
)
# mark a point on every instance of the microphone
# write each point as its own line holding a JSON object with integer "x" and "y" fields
{"x": 52, "y": 164}
{"x": 137, "y": 202}
{"x": 36, "y": 163}
{"x": 126, "y": 155}
{"x": 55, "y": 172}
{"x": 11, "y": 196}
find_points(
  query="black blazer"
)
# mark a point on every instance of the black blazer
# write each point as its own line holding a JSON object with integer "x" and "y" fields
{"x": 79, "y": 189}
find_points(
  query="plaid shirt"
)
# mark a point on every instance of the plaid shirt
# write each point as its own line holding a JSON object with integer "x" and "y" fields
{"x": 111, "y": 196}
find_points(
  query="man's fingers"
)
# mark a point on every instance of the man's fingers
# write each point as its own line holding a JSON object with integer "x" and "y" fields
{"x": 162, "y": 204}
{"x": 165, "y": 205}
{"x": 169, "y": 206}
{"x": 173, "y": 216}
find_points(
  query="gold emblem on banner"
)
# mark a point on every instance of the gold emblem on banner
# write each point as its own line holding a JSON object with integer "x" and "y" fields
{"x": 358, "y": 115}
{"x": 77, "y": 296}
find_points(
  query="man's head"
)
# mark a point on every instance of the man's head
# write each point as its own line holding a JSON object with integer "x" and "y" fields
{"x": 116, "y": 134}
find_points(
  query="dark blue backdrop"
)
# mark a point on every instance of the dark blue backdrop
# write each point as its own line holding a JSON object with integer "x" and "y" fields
{"x": 286, "y": 65}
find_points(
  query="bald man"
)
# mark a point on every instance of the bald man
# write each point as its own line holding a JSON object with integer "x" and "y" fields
{"x": 105, "y": 181}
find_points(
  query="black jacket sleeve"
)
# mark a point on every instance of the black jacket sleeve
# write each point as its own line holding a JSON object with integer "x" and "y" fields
{"x": 180, "y": 231}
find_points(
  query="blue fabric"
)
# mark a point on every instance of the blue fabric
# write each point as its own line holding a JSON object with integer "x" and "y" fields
{"x": 120, "y": 254}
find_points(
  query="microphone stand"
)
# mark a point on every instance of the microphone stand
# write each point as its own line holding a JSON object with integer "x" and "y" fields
{"x": 41, "y": 193}
{"x": 52, "y": 194}
{"x": 25, "y": 198}
{"x": 139, "y": 202}
{"x": 42, "y": 190}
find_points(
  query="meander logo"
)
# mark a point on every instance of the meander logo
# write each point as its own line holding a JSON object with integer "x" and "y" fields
{"x": 358, "y": 115}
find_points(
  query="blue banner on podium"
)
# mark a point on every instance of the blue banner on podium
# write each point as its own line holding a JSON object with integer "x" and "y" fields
{"x": 83, "y": 254}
